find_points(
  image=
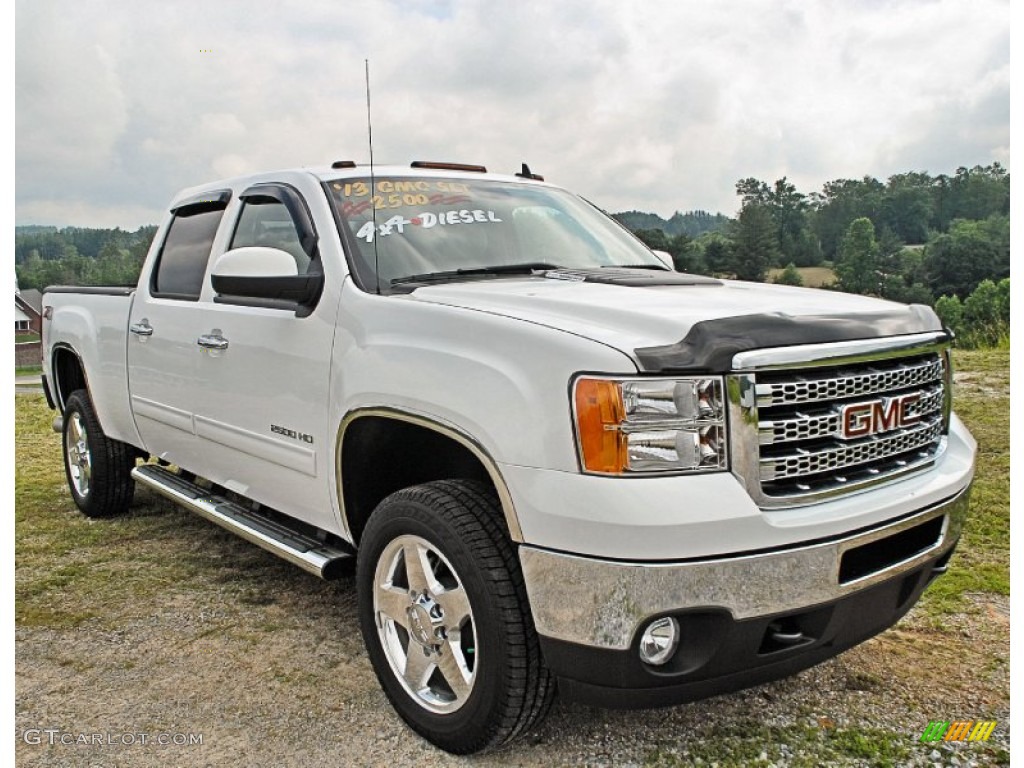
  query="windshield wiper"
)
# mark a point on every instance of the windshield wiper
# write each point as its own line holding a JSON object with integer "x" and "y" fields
{"x": 500, "y": 269}
{"x": 657, "y": 267}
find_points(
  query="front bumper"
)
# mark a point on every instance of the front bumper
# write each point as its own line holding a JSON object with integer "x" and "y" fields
{"x": 835, "y": 593}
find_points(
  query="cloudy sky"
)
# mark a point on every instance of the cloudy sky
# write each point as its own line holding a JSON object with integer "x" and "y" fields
{"x": 659, "y": 106}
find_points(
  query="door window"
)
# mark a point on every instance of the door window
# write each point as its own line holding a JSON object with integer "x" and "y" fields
{"x": 182, "y": 262}
{"x": 266, "y": 222}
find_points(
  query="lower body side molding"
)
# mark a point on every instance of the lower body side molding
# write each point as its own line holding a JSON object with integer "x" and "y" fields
{"x": 295, "y": 546}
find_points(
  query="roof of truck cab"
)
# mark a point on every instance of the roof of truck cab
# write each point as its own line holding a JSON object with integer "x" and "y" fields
{"x": 328, "y": 174}
{"x": 391, "y": 171}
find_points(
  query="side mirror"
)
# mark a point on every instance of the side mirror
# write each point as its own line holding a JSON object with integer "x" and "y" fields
{"x": 665, "y": 258}
{"x": 255, "y": 261}
{"x": 268, "y": 275}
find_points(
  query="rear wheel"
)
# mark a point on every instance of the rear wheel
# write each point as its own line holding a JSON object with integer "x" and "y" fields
{"x": 97, "y": 468}
{"x": 445, "y": 619}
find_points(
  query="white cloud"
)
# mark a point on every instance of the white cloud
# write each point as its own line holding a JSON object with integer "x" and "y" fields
{"x": 71, "y": 106}
{"x": 656, "y": 105}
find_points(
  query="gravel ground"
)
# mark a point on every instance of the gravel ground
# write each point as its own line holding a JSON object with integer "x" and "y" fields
{"x": 267, "y": 665}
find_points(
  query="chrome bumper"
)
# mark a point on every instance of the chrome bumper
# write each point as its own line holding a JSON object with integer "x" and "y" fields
{"x": 603, "y": 603}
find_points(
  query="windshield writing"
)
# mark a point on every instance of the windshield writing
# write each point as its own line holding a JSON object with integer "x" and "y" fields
{"x": 423, "y": 226}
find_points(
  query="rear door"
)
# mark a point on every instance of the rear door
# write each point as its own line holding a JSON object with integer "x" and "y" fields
{"x": 162, "y": 329}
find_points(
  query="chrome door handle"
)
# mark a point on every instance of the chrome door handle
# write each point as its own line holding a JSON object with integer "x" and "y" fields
{"x": 212, "y": 340}
{"x": 141, "y": 328}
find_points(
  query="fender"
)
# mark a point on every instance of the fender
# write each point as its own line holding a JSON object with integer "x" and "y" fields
{"x": 443, "y": 428}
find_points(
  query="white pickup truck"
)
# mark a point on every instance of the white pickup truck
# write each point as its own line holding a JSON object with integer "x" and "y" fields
{"x": 558, "y": 462}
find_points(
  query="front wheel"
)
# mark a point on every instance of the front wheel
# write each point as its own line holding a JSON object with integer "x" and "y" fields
{"x": 445, "y": 619}
{"x": 98, "y": 469}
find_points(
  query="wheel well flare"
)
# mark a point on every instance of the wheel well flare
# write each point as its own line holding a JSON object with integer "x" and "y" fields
{"x": 382, "y": 452}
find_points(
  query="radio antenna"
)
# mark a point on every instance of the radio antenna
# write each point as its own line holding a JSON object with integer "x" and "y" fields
{"x": 373, "y": 183}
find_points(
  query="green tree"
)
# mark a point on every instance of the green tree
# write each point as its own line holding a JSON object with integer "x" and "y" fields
{"x": 972, "y": 251}
{"x": 655, "y": 239}
{"x": 789, "y": 210}
{"x": 983, "y": 315}
{"x": 755, "y": 243}
{"x": 1003, "y": 299}
{"x": 906, "y": 207}
{"x": 717, "y": 253}
{"x": 839, "y": 204}
{"x": 686, "y": 255}
{"x": 951, "y": 312}
{"x": 857, "y": 266}
{"x": 971, "y": 193}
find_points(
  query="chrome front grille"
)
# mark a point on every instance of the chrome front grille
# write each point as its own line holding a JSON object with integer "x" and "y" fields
{"x": 825, "y": 422}
{"x": 815, "y": 388}
{"x": 805, "y": 432}
{"x": 801, "y": 462}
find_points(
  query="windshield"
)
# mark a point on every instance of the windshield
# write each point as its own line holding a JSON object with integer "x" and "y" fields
{"x": 426, "y": 226}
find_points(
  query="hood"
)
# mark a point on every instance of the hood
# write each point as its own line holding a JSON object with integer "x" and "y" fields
{"x": 651, "y": 321}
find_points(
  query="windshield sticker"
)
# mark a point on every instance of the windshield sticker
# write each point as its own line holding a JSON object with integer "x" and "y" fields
{"x": 386, "y": 187}
{"x": 398, "y": 194}
{"x": 427, "y": 220}
{"x": 396, "y": 200}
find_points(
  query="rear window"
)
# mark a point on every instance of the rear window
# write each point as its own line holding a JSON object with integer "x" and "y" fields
{"x": 185, "y": 253}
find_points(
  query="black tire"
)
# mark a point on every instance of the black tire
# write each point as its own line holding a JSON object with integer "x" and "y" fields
{"x": 98, "y": 469}
{"x": 460, "y": 525}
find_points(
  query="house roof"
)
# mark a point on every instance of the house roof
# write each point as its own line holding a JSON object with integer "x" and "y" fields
{"x": 34, "y": 299}
{"x": 22, "y": 303}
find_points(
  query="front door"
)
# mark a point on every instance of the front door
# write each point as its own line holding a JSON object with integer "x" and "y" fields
{"x": 259, "y": 373}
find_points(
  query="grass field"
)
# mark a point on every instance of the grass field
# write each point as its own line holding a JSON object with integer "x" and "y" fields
{"x": 814, "y": 277}
{"x": 160, "y": 619}
{"x": 982, "y": 380}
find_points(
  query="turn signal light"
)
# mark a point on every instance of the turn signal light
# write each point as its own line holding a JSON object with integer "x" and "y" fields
{"x": 599, "y": 412}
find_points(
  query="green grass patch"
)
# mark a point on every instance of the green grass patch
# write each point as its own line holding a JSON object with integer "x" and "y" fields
{"x": 813, "y": 277}
{"x": 70, "y": 569}
{"x": 982, "y": 562}
{"x": 28, "y": 370}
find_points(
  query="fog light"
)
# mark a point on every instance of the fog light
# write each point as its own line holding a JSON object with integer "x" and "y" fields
{"x": 659, "y": 641}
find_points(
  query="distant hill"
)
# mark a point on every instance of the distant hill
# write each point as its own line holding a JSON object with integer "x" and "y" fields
{"x": 693, "y": 223}
{"x": 33, "y": 229}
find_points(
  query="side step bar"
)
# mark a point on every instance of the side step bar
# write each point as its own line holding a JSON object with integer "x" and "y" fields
{"x": 294, "y": 546}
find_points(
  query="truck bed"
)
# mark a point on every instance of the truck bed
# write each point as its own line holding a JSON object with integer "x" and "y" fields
{"x": 91, "y": 323}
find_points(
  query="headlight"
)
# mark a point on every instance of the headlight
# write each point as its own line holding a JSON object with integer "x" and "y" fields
{"x": 650, "y": 425}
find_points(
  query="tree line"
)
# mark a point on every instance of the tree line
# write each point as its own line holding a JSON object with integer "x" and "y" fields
{"x": 79, "y": 256}
{"x": 916, "y": 238}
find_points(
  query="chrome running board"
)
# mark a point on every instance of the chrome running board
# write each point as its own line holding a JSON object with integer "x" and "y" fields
{"x": 297, "y": 547}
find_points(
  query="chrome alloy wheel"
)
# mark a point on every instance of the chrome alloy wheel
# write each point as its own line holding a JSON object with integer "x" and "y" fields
{"x": 76, "y": 445}
{"x": 425, "y": 624}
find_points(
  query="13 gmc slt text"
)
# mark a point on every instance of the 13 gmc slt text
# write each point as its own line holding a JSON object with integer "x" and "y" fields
{"x": 558, "y": 462}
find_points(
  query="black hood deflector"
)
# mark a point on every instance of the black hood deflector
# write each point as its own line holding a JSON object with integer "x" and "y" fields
{"x": 710, "y": 345}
